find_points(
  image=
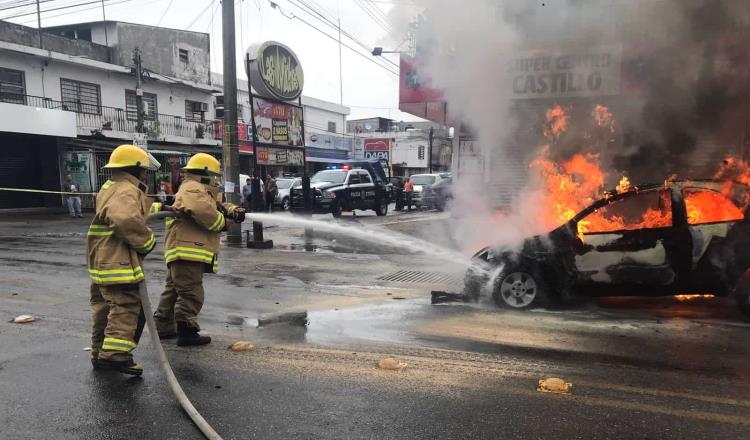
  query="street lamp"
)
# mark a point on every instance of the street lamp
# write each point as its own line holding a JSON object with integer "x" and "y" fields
{"x": 378, "y": 51}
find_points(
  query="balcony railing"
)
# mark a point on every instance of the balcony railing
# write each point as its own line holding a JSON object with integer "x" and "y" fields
{"x": 99, "y": 118}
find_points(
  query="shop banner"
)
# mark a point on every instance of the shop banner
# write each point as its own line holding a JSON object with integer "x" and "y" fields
{"x": 556, "y": 74}
{"x": 377, "y": 148}
{"x": 329, "y": 141}
{"x": 277, "y": 123}
{"x": 78, "y": 165}
{"x": 280, "y": 156}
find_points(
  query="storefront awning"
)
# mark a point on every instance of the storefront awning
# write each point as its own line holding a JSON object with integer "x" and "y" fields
{"x": 324, "y": 160}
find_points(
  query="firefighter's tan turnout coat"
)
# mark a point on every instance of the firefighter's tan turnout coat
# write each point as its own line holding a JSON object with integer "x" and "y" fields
{"x": 118, "y": 233}
{"x": 194, "y": 236}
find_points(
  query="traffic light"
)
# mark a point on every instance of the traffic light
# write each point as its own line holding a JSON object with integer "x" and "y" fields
{"x": 420, "y": 152}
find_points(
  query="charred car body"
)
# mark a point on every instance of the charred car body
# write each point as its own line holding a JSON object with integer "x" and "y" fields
{"x": 688, "y": 237}
{"x": 359, "y": 185}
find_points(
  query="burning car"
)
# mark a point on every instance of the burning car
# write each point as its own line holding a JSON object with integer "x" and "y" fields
{"x": 682, "y": 237}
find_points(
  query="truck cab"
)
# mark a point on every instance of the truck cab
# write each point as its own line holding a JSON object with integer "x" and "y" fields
{"x": 345, "y": 189}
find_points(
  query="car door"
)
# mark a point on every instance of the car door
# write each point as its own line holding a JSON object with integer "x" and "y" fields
{"x": 716, "y": 225}
{"x": 369, "y": 196}
{"x": 354, "y": 190}
{"x": 630, "y": 246}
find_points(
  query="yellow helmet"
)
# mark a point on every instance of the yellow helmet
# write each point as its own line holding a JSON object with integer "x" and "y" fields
{"x": 126, "y": 156}
{"x": 204, "y": 162}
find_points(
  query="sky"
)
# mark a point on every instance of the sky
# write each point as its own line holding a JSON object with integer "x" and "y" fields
{"x": 369, "y": 88}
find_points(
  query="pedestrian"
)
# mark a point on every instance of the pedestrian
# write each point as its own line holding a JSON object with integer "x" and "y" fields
{"x": 161, "y": 195}
{"x": 117, "y": 241}
{"x": 73, "y": 200}
{"x": 168, "y": 191}
{"x": 192, "y": 248}
{"x": 408, "y": 192}
{"x": 247, "y": 191}
{"x": 273, "y": 191}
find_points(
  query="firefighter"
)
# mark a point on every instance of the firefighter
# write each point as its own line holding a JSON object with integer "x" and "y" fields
{"x": 117, "y": 241}
{"x": 192, "y": 249}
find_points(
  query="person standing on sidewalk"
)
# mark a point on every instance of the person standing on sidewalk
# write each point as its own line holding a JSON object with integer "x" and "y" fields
{"x": 116, "y": 243}
{"x": 192, "y": 249}
{"x": 73, "y": 200}
{"x": 408, "y": 192}
{"x": 273, "y": 191}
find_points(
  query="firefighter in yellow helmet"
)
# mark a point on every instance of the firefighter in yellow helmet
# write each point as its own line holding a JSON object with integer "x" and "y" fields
{"x": 117, "y": 241}
{"x": 191, "y": 249}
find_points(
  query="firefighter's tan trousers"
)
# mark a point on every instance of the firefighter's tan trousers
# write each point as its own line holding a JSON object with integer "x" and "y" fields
{"x": 182, "y": 298}
{"x": 117, "y": 321}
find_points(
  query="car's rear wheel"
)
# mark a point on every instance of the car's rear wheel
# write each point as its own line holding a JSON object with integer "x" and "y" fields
{"x": 285, "y": 204}
{"x": 519, "y": 288}
{"x": 381, "y": 208}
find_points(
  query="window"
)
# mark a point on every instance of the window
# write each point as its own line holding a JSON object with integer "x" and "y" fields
{"x": 707, "y": 206}
{"x": 149, "y": 106}
{"x": 12, "y": 86}
{"x": 183, "y": 56}
{"x": 644, "y": 210}
{"x": 365, "y": 177}
{"x": 195, "y": 111}
{"x": 332, "y": 127}
{"x": 80, "y": 97}
{"x": 354, "y": 179}
{"x": 424, "y": 179}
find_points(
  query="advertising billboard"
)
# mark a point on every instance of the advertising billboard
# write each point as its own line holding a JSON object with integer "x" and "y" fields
{"x": 277, "y": 123}
{"x": 377, "y": 148}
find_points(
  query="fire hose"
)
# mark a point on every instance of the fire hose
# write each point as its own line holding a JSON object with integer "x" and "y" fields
{"x": 179, "y": 394}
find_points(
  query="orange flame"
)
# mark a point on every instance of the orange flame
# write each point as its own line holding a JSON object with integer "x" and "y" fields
{"x": 683, "y": 298}
{"x": 623, "y": 186}
{"x": 557, "y": 122}
{"x": 603, "y": 117}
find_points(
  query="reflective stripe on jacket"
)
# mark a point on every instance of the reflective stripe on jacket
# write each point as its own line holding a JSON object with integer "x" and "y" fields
{"x": 195, "y": 235}
{"x": 118, "y": 235}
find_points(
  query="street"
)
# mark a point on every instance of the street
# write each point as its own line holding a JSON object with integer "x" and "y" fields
{"x": 322, "y": 314}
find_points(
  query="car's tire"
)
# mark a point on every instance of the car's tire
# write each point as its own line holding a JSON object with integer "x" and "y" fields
{"x": 742, "y": 294}
{"x": 285, "y": 204}
{"x": 381, "y": 208}
{"x": 336, "y": 209}
{"x": 519, "y": 288}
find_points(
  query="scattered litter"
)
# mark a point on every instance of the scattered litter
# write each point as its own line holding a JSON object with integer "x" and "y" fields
{"x": 391, "y": 364}
{"x": 86, "y": 348}
{"x": 23, "y": 319}
{"x": 440, "y": 297}
{"x": 554, "y": 385}
{"x": 242, "y": 346}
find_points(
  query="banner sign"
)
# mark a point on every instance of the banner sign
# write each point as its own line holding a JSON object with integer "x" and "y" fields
{"x": 274, "y": 71}
{"x": 555, "y": 75}
{"x": 280, "y": 156}
{"x": 377, "y": 148}
{"x": 329, "y": 141}
{"x": 277, "y": 123}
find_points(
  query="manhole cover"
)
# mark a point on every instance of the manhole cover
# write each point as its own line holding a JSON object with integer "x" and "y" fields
{"x": 419, "y": 277}
{"x": 277, "y": 267}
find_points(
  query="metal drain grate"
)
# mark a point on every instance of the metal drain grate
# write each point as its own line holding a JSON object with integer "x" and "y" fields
{"x": 418, "y": 277}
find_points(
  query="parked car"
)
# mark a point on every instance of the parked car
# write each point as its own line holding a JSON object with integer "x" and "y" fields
{"x": 340, "y": 190}
{"x": 420, "y": 181}
{"x": 285, "y": 184}
{"x": 681, "y": 238}
{"x": 436, "y": 196}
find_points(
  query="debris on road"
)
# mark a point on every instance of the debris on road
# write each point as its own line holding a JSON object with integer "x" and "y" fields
{"x": 291, "y": 318}
{"x": 391, "y": 364}
{"x": 440, "y": 297}
{"x": 23, "y": 319}
{"x": 554, "y": 385}
{"x": 242, "y": 346}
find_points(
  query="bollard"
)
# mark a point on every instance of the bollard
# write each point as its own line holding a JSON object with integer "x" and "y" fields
{"x": 258, "y": 242}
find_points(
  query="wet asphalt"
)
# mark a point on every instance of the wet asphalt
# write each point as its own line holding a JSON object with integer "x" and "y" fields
{"x": 640, "y": 368}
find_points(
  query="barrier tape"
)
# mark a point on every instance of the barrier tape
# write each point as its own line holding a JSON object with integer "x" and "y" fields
{"x": 43, "y": 191}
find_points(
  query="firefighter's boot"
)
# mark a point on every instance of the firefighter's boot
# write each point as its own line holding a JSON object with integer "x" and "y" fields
{"x": 126, "y": 367}
{"x": 188, "y": 336}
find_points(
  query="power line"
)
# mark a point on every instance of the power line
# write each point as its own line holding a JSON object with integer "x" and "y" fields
{"x": 374, "y": 18}
{"x": 74, "y": 12}
{"x": 165, "y": 13}
{"x": 335, "y": 26}
{"x": 368, "y": 58}
{"x": 56, "y": 9}
{"x": 197, "y": 17}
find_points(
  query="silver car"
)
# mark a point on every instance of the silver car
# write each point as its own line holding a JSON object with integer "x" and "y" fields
{"x": 285, "y": 184}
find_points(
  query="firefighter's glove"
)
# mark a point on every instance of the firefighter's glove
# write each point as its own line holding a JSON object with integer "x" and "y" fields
{"x": 238, "y": 215}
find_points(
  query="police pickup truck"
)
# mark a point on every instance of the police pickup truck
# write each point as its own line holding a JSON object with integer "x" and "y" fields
{"x": 357, "y": 185}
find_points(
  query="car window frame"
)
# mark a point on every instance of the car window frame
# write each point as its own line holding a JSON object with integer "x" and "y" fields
{"x": 349, "y": 178}
{"x": 684, "y": 189}
{"x": 593, "y": 208}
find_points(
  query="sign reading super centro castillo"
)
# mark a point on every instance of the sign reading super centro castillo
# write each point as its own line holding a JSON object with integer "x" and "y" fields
{"x": 274, "y": 71}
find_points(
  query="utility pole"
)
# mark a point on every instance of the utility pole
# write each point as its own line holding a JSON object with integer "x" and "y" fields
{"x": 39, "y": 23}
{"x": 104, "y": 20}
{"x": 138, "y": 91}
{"x": 341, "y": 68}
{"x": 429, "y": 150}
{"x": 231, "y": 149}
